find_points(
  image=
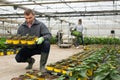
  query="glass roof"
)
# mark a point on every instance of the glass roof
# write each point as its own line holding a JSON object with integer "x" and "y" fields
{"x": 59, "y": 5}
{"x": 95, "y": 13}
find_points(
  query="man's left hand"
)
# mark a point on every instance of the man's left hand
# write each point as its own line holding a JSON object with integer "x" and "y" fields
{"x": 40, "y": 40}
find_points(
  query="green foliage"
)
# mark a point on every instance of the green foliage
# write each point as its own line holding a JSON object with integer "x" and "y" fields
{"x": 101, "y": 40}
{"x": 106, "y": 72}
{"x": 106, "y": 62}
{"x": 53, "y": 40}
{"x": 61, "y": 77}
{"x": 2, "y": 43}
{"x": 76, "y": 33}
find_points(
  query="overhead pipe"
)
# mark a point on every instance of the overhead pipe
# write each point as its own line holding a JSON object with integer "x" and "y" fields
{"x": 50, "y": 2}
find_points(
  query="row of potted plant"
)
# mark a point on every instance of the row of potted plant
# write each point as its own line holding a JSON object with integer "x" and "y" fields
{"x": 101, "y": 40}
{"x": 102, "y": 65}
{"x": 18, "y": 39}
{"x": 72, "y": 61}
{"x": 93, "y": 40}
{"x": 8, "y": 51}
{"x": 55, "y": 68}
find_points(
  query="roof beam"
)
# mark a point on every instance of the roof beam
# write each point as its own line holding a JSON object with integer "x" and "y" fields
{"x": 90, "y": 12}
{"x": 50, "y": 2}
{"x": 10, "y": 21}
{"x": 67, "y": 14}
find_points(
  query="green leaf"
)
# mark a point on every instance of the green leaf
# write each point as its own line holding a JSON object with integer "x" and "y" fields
{"x": 115, "y": 75}
{"x": 101, "y": 76}
{"x": 83, "y": 73}
{"x": 72, "y": 78}
{"x": 61, "y": 78}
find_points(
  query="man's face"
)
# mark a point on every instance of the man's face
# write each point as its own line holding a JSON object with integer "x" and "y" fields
{"x": 29, "y": 18}
{"x": 79, "y": 22}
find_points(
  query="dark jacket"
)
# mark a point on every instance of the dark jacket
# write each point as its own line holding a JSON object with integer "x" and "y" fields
{"x": 37, "y": 29}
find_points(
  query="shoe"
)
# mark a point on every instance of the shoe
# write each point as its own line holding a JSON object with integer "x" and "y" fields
{"x": 43, "y": 61}
{"x": 43, "y": 70}
{"x": 30, "y": 61}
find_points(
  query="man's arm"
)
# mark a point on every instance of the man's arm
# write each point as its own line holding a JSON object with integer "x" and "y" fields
{"x": 45, "y": 32}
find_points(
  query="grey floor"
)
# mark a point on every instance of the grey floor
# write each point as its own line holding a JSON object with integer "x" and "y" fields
{"x": 9, "y": 68}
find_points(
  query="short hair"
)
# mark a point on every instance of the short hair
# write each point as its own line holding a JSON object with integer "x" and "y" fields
{"x": 28, "y": 12}
{"x": 80, "y": 20}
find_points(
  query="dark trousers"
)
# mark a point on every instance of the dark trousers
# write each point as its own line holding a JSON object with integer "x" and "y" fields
{"x": 77, "y": 41}
{"x": 27, "y": 52}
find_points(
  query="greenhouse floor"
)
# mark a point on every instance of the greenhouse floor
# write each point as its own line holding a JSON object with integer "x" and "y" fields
{"x": 10, "y": 68}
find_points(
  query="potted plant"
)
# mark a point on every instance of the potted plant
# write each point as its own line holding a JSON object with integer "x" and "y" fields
{"x": 23, "y": 40}
{"x": 9, "y": 39}
{"x": 31, "y": 40}
{"x": 16, "y": 39}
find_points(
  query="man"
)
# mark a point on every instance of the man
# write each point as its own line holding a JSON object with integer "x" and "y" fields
{"x": 33, "y": 27}
{"x": 79, "y": 29}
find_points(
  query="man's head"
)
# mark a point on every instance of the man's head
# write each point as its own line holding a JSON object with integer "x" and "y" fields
{"x": 80, "y": 21}
{"x": 29, "y": 16}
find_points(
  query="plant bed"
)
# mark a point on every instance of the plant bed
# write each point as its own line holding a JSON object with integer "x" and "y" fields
{"x": 36, "y": 75}
{"x": 97, "y": 64}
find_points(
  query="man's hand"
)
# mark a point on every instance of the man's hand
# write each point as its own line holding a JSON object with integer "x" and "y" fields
{"x": 40, "y": 40}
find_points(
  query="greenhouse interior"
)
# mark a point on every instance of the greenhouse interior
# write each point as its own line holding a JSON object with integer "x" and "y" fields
{"x": 75, "y": 39}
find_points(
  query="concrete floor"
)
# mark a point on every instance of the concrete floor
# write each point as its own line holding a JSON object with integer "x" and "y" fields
{"x": 10, "y": 68}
